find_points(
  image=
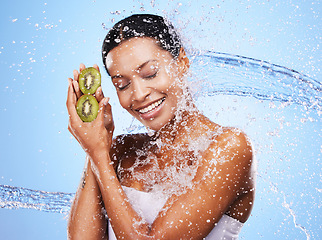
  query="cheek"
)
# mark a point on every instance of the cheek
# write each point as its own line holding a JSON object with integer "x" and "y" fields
{"x": 124, "y": 100}
{"x": 166, "y": 82}
{"x": 172, "y": 85}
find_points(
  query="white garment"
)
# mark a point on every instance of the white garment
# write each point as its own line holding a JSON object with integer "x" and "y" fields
{"x": 149, "y": 204}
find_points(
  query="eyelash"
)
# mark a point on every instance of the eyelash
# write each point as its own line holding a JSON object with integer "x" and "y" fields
{"x": 122, "y": 88}
{"x": 151, "y": 76}
{"x": 147, "y": 77}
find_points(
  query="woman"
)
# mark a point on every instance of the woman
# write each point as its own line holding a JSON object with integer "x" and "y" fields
{"x": 187, "y": 178}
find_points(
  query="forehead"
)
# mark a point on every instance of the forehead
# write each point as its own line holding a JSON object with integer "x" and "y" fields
{"x": 131, "y": 53}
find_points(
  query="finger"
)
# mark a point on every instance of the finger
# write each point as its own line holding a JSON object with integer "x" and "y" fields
{"x": 71, "y": 103}
{"x": 76, "y": 75}
{"x": 71, "y": 98}
{"x": 81, "y": 67}
{"x": 77, "y": 89}
{"x": 102, "y": 107}
{"x": 99, "y": 94}
{"x": 70, "y": 81}
{"x": 96, "y": 66}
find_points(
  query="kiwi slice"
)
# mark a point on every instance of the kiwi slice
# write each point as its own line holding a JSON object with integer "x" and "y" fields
{"x": 87, "y": 108}
{"x": 89, "y": 80}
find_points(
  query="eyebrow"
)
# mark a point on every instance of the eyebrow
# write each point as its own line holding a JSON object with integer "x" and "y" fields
{"x": 145, "y": 63}
{"x": 138, "y": 68}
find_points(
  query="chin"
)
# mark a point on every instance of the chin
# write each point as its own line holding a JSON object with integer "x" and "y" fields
{"x": 155, "y": 127}
{"x": 158, "y": 124}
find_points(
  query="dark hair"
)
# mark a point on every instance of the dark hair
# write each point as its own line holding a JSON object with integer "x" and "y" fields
{"x": 143, "y": 25}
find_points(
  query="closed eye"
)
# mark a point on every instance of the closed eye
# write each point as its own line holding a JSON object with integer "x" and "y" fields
{"x": 151, "y": 76}
{"x": 122, "y": 88}
{"x": 120, "y": 83}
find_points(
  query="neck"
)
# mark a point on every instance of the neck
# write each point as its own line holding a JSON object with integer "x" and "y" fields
{"x": 175, "y": 129}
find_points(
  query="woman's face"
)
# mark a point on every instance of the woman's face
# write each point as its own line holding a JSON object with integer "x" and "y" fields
{"x": 147, "y": 79}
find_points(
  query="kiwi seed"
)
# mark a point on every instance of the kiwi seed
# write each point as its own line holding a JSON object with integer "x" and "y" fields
{"x": 87, "y": 108}
{"x": 89, "y": 80}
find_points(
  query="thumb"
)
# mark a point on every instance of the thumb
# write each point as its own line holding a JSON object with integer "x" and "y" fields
{"x": 102, "y": 107}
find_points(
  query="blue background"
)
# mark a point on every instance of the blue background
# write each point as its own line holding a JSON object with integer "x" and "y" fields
{"x": 43, "y": 41}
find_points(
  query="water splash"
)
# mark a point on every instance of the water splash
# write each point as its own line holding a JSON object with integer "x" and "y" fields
{"x": 296, "y": 224}
{"x": 287, "y": 206}
{"x": 243, "y": 76}
{"x": 214, "y": 74}
{"x": 18, "y": 197}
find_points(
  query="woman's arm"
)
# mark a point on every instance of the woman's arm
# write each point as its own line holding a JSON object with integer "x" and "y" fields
{"x": 87, "y": 218}
{"x": 223, "y": 176}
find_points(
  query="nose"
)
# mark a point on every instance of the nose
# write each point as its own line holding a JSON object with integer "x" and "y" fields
{"x": 140, "y": 90}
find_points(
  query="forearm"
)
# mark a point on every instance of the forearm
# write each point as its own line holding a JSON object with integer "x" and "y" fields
{"x": 87, "y": 216}
{"x": 127, "y": 224}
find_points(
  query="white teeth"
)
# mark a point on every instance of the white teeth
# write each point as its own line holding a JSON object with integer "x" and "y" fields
{"x": 150, "y": 107}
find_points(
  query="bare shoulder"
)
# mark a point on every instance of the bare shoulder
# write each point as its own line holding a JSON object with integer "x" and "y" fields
{"x": 130, "y": 139}
{"x": 227, "y": 162}
{"x": 233, "y": 138}
{"x": 221, "y": 135}
{"x": 128, "y": 142}
{"x": 230, "y": 147}
{"x": 126, "y": 145}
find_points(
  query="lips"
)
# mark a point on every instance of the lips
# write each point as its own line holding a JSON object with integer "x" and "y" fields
{"x": 150, "y": 109}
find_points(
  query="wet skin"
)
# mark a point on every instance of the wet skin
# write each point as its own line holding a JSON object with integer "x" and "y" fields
{"x": 150, "y": 75}
{"x": 149, "y": 84}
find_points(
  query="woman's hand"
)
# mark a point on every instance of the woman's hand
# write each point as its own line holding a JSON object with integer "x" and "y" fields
{"x": 95, "y": 134}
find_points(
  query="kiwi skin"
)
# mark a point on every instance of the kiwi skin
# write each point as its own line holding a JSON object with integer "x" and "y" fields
{"x": 87, "y": 108}
{"x": 89, "y": 80}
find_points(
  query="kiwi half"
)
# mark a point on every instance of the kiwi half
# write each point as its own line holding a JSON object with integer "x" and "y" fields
{"x": 89, "y": 80}
{"x": 87, "y": 108}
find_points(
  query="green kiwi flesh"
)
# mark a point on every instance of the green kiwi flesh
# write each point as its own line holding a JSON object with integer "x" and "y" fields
{"x": 89, "y": 80}
{"x": 87, "y": 108}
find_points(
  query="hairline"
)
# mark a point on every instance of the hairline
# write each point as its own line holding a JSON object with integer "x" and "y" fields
{"x": 156, "y": 42}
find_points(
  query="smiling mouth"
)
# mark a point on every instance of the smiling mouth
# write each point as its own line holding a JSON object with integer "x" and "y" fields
{"x": 151, "y": 107}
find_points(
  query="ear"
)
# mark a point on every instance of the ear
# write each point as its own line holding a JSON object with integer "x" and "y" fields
{"x": 183, "y": 61}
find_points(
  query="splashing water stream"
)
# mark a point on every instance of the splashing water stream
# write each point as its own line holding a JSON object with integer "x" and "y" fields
{"x": 18, "y": 197}
{"x": 261, "y": 93}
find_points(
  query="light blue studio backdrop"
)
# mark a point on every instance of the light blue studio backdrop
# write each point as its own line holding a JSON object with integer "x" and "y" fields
{"x": 43, "y": 41}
